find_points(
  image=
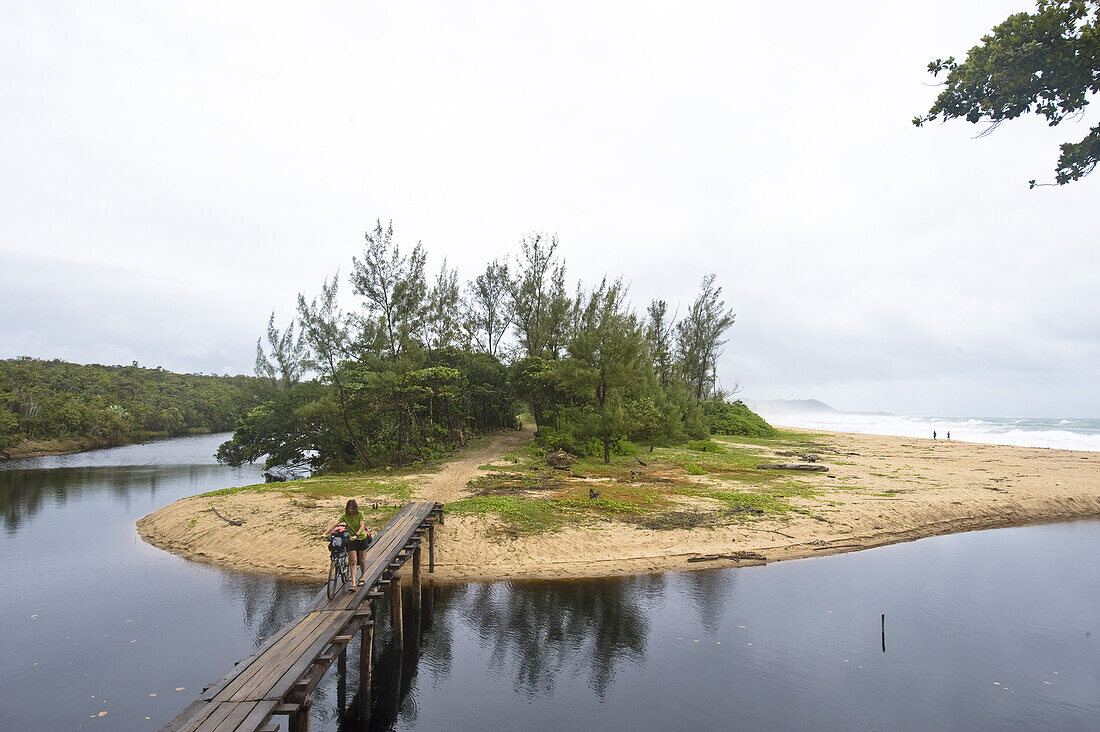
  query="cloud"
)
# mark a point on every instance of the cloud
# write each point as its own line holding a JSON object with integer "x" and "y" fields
{"x": 180, "y": 171}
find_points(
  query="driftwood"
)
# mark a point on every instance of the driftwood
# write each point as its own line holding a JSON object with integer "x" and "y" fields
{"x": 736, "y": 556}
{"x": 560, "y": 459}
{"x": 837, "y": 546}
{"x": 809, "y": 467}
{"x": 806, "y": 456}
{"x": 232, "y": 522}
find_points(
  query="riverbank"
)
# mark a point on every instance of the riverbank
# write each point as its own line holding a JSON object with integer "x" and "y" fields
{"x": 74, "y": 445}
{"x": 657, "y": 510}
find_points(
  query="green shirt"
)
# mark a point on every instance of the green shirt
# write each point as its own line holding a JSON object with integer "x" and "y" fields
{"x": 355, "y": 524}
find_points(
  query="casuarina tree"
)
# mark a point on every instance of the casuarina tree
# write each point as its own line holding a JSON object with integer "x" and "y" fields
{"x": 1045, "y": 63}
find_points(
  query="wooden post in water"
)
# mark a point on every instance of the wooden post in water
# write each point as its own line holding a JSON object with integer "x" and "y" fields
{"x": 431, "y": 547}
{"x": 884, "y": 632}
{"x": 299, "y": 721}
{"x": 366, "y": 661}
{"x": 342, "y": 680}
{"x": 396, "y": 618}
{"x": 417, "y": 588}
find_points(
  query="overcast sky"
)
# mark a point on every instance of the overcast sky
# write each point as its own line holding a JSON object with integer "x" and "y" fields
{"x": 173, "y": 172}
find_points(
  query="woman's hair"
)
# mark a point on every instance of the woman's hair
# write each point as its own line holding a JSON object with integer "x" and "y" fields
{"x": 352, "y": 508}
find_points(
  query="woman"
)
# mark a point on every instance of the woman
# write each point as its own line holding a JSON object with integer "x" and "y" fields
{"x": 356, "y": 523}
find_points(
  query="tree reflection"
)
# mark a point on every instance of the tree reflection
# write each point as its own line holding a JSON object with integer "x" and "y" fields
{"x": 24, "y": 493}
{"x": 710, "y": 592}
{"x": 268, "y": 604}
{"x": 540, "y": 630}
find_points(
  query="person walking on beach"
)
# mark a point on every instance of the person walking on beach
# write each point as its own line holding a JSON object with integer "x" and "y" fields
{"x": 356, "y": 523}
{"x": 933, "y": 434}
{"x": 949, "y": 434}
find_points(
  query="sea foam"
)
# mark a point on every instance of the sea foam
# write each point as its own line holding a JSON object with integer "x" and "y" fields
{"x": 1056, "y": 432}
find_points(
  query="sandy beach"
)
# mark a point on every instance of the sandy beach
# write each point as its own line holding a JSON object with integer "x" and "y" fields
{"x": 878, "y": 490}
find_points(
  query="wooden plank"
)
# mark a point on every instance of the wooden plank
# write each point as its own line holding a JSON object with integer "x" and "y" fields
{"x": 276, "y": 657}
{"x": 260, "y": 686}
{"x": 181, "y": 720}
{"x": 219, "y": 713}
{"x": 281, "y": 686}
{"x": 270, "y": 655}
{"x": 238, "y": 715}
{"x": 259, "y": 715}
{"x": 210, "y": 691}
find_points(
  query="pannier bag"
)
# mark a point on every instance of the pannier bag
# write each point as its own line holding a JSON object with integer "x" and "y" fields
{"x": 339, "y": 540}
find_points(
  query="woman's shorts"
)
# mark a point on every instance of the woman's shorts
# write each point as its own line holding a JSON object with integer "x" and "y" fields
{"x": 359, "y": 545}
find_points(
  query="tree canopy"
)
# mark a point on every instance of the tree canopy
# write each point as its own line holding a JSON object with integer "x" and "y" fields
{"x": 418, "y": 366}
{"x": 415, "y": 367}
{"x": 1046, "y": 63}
{"x": 115, "y": 405}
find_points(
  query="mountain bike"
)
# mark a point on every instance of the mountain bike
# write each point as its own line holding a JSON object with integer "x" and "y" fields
{"x": 337, "y": 573}
{"x": 338, "y": 570}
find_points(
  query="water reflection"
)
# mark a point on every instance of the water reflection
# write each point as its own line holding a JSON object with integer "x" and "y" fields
{"x": 266, "y": 604}
{"x": 24, "y": 493}
{"x": 535, "y": 632}
{"x": 710, "y": 593}
{"x": 790, "y": 646}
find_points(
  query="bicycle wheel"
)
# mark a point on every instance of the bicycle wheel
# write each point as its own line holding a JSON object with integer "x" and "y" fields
{"x": 334, "y": 578}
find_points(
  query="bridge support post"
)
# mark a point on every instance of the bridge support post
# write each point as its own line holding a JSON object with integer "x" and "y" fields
{"x": 366, "y": 661}
{"x": 342, "y": 680}
{"x": 431, "y": 547}
{"x": 396, "y": 617}
{"x": 417, "y": 598}
{"x": 416, "y": 580}
{"x": 299, "y": 721}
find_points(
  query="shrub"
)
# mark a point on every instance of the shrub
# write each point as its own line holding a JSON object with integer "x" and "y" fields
{"x": 705, "y": 446}
{"x": 624, "y": 447}
{"x": 734, "y": 418}
{"x": 550, "y": 439}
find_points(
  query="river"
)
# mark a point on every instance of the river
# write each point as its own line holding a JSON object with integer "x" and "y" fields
{"x": 986, "y": 630}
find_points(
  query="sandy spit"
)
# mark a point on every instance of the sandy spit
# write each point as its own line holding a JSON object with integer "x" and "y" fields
{"x": 879, "y": 490}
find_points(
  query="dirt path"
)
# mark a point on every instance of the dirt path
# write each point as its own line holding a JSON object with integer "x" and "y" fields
{"x": 452, "y": 481}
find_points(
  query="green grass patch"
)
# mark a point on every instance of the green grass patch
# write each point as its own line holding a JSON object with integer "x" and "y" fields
{"x": 517, "y": 515}
{"x": 773, "y": 500}
{"x": 359, "y": 486}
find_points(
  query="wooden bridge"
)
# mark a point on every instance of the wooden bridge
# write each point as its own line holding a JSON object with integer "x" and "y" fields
{"x": 280, "y": 676}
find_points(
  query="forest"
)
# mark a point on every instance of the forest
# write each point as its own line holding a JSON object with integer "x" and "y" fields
{"x": 100, "y": 406}
{"x": 422, "y": 361}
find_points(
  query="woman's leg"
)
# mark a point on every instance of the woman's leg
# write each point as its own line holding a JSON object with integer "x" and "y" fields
{"x": 353, "y": 560}
{"x": 362, "y": 565}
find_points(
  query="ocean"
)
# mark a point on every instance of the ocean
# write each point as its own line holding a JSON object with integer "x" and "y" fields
{"x": 1069, "y": 433}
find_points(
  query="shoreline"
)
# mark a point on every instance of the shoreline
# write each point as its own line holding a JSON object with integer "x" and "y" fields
{"x": 26, "y": 449}
{"x": 878, "y": 491}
